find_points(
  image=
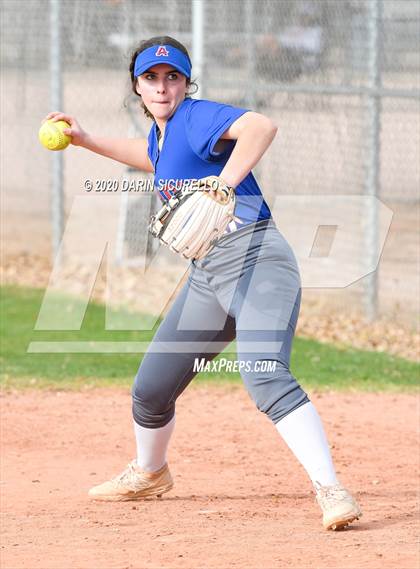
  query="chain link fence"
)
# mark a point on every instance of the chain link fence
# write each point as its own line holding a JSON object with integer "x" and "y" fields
{"x": 339, "y": 77}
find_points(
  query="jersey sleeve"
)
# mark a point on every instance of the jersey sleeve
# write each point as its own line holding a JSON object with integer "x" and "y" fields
{"x": 151, "y": 145}
{"x": 206, "y": 121}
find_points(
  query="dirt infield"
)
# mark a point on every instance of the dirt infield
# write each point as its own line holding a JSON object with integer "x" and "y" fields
{"x": 240, "y": 499}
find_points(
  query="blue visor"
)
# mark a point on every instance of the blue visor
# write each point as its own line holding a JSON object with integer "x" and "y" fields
{"x": 162, "y": 54}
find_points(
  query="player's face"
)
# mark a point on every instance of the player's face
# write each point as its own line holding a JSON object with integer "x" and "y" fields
{"x": 162, "y": 89}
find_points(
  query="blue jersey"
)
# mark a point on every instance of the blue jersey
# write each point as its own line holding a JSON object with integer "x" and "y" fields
{"x": 188, "y": 153}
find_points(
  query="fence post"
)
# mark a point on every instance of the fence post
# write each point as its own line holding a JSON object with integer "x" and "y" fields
{"x": 57, "y": 194}
{"x": 251, "y": 56}
{"x": 372, "y": 181}
{"x": 197, "y": 44}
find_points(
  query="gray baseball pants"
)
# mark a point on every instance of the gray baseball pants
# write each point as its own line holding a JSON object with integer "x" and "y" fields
{"x": 248, "y": 287}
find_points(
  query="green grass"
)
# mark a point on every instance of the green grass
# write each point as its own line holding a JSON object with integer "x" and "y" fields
{"x": 316, "y": 365}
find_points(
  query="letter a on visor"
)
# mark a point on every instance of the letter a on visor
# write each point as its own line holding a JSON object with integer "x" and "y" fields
{"x": 162, "y": 54}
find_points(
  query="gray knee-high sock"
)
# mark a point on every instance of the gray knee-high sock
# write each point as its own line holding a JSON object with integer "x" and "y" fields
{"x": 304, "y": 434}
{"x": 152, "y": 445}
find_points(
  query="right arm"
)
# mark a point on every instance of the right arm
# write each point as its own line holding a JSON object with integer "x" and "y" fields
{"x": 129, "y": 151}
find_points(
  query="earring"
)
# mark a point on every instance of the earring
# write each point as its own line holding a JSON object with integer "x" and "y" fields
{"x": 193, "y": 92}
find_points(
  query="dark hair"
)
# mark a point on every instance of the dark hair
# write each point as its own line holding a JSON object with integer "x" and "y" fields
{"x": 145, "y": 44}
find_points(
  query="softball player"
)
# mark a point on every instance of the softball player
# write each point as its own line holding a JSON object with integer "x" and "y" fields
{"x": 247, "y": 287}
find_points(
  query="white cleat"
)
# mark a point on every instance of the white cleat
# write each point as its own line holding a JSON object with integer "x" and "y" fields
{"x": 133, "y": 484}
{"x": 338, "y": 506}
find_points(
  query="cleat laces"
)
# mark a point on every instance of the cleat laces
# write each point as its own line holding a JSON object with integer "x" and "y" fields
{"x": 331, "y": 495}
{"x": 128, "y": 476}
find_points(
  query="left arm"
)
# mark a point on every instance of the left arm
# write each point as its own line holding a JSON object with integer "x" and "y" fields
{"x": 254, "y": 133}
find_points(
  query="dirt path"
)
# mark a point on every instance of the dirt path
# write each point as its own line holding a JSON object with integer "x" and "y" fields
{"x": 240, "y": 499}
